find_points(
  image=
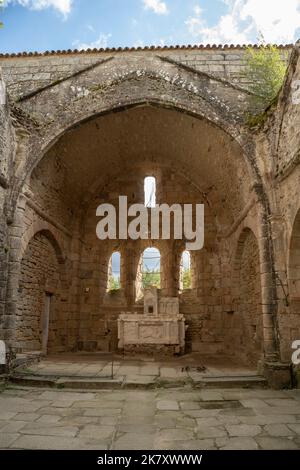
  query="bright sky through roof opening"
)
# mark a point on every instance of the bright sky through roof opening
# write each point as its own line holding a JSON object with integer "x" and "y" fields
{"x": 150, "y": 191}
{"x": 38, "y": 25}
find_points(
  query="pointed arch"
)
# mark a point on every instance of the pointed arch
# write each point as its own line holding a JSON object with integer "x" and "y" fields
{"x": 39, "y": 320}
{"x": 49, "y": 232}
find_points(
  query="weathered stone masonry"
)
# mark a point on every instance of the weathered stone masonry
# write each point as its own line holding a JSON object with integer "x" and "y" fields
{"x": 80, "y": 129}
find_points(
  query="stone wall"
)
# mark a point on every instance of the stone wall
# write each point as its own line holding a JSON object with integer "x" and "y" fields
{"x": 284, "y": 147}
{"x": 48, "y": 189}
{"x": 7, "y": 148}
{"x": 25, "y": 74}
{"x": 99, "y": 308}
{"x": 40, "y": 274}
{"x": 289, "y": 319}
{"x": 244, "y": 331}
{"x": 287, "y": 115}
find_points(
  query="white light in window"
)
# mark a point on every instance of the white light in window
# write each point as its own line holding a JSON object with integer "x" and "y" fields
{"x": 150, "y": 191}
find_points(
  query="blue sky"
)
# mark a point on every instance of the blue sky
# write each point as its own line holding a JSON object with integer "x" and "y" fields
{"x": 39, "y": 25}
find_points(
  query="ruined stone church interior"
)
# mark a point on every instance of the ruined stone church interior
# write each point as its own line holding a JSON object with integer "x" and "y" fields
{"x": 75, "y": 138}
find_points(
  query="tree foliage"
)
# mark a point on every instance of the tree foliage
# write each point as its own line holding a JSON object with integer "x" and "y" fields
{"x": 265, "y": 71}
{"x": 186, "y": 279}
{"x": 114, "y": 284}
{"x": 151, "y": 279}
{"x": 1, "y": 5}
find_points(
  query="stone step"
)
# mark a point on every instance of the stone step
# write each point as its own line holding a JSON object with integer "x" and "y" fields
{"x": 26, "y": 359}
{"x": 33, "y": 380}
{"x": 89, "y": 383}
{"x": 93, "y": 383}
{"x": 136, "y": 382}
{"x": 255, "y": 381}
{"x": 3, "y": 380}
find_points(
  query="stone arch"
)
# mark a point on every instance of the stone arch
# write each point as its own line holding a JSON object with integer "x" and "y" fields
{"x": 112, "y": 290}
{"x": 155, "y": 81}
{"x": 236, "y": 131}
{"x": 244, "y": 324}
{"x": 110, "y": 96}
{"x": 39, "y": 289}
{"x": 53, "y": 235}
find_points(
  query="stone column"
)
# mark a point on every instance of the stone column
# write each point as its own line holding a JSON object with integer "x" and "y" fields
{"x": 167, "y": 269}
{"x": 3, "y": 259}
{"x": 268, "y": 286}
{"x": 130, "y": 266}
{"x": 76, "y": 294}
{"x": 6, "y": 166}
{"x": 15, "y": 244}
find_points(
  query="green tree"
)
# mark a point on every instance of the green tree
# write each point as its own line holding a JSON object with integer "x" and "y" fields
{"x": 151, "y": 279}
{"x": 1, "y": 6}
{"x": 114, "y": 284}
{"x": 186, "y": 279}
{"x": 265, "y": 70}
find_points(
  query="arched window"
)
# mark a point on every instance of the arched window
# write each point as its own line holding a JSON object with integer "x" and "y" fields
{"x": 151, "y": 268}
{"x": 148, "y": 274}
{"x": 185, "y": 279}
{"x": 114, "y": 272}
{"x": 150, "y": 191}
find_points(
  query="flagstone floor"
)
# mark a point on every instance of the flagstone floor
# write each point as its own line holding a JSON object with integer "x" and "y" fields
{"x": 179, "y": 418}
{"x": 103, "y": 365}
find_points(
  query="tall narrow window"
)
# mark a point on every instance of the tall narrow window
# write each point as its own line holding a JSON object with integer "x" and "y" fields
{"x": 185, "y": 280}
{"x": 151, "y": 268}
{"x": 114, "y": 272}
{"x": 150, "y": 191}
{"x": 148, "y": 274}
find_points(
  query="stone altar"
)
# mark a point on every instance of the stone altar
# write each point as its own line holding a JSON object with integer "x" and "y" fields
{"x": 160, "y": 329}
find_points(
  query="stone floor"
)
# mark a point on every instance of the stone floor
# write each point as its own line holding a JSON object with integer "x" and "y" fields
{"x": 142, "y": 371}
{"x": 179, "y": 418}
{"x": 90, "y": 364}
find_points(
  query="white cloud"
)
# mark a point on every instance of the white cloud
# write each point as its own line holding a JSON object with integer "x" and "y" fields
{"x": 198, "y": 10}
{"x": 90, "y": 28}
{"x": 139, "y": 43}
{"x": 63, "y": 6}
{"x": 101, "y": 42}
{"x": 159, "y": 42}
{"x": 276, "y": 20}
{"x": 159, "y": 7}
